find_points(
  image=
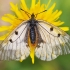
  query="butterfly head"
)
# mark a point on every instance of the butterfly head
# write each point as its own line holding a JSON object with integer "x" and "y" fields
{"x": 32, "y": 16}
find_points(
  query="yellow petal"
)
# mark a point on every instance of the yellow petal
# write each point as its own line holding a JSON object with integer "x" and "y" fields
{"x": 4, "y": 36}
{"x": 10, "y": 16}
{"x": 12, "y": 6}
{"x": 53, "y": 15}
{"x": 65, "y": 28}
{"x": 40, "y": 10}
{"x": 58, "y": 23}
{"x": 24, "y": 7}
{"x": 48, "y": 4}
{"x": 57, "y": 15}
{"x": 16, "y": 11}
{"x": 25, "y": 15}
{"x": 33, "y": 4}
{"x": 6, "y": 19}
{"x": 21, "y": 60}
{"x": 4, "y": 28}
{"x": 32, "y": 49}
{"x": 36, "y": 8}
{"x": 32, "y": 55}
{"x": 49, "y": 12}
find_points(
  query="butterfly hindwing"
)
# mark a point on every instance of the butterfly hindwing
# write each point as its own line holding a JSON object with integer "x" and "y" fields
{"x": 55, "y": 42}
{"x": 15, "y": 46}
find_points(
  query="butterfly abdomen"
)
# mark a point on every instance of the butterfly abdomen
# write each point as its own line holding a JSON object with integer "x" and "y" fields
{"x": 32, "y": 35}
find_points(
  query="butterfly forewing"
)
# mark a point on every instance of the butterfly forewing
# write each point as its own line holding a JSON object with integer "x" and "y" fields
{"x": 55, "y": 42}
{"x": 15, "y": 46}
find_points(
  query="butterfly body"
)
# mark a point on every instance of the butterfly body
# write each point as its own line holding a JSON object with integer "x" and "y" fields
{"x": 32, "y": 29}
{"x": 32, "y": 34}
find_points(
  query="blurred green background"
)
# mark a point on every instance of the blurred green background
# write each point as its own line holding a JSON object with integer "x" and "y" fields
{"x": 60, "y": 63}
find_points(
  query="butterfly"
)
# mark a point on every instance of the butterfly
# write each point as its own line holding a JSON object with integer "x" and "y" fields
{"x": 49, "y": 41}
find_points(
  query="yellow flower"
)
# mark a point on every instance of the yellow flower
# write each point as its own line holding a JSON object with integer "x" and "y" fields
{"x": 14, "y": 20}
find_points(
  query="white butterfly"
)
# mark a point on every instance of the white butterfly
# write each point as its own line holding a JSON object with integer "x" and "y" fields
{"x": 51, "y": 41}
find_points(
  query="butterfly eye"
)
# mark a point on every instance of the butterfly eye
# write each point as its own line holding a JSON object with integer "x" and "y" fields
{"x": 16, "y": 32}
{"x": 59, "y": 35}
{"x": 11, "y": 40}
{"x": 51, "y": 29}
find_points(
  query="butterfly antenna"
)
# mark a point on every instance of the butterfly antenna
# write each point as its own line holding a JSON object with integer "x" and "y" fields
{"x": 40, "y": 12}
{"x": 26, "y": 12}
